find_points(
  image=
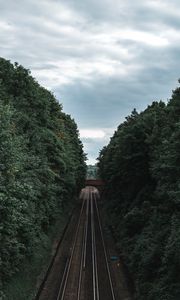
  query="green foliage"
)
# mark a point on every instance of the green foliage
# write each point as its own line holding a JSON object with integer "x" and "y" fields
{"x": 141, "y": 166}
{"x": 42, "y": 164}
{"x": 92, "y": 172}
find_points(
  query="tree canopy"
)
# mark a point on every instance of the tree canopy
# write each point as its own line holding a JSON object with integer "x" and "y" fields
{"x": 42, "y": 164}
{"x": 141, "y": 169}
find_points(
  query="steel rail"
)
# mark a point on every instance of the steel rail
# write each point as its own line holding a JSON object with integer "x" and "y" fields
{"x": 105, "y": 252}
{"x": 92, "y": 249}
{"x": 49, "y": 268}
{"x": 64, "y": 281}
{"x": 94, "y": 256}
{"x": 83, "y": 252}
{"x": 95, "y": 260}
{"x": 86, "y": 231}
{"x": 81, "y": 269}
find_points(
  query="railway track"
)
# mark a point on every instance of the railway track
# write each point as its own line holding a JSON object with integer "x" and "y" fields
{"x": 87, "y": 275}
{"x": 70, "y": 286}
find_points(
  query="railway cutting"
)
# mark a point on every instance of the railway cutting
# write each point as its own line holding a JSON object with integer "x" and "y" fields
{"x": 83, "y": 268}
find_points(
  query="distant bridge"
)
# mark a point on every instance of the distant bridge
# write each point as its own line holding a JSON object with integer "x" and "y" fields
{"x": 98, "y": 183}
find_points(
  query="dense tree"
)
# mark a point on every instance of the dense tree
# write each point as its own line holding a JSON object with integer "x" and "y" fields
{"x": 42, "y": 164}
{"x": 141, "y": 168}
{"x": 92, "y": 172}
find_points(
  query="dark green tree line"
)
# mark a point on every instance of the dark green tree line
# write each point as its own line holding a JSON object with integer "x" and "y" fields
{"x": 141, "y": 168}
{"x": 42, "y": 164}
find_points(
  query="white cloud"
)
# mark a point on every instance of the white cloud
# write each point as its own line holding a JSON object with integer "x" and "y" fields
{"x": 92, "y": 133}
{"x": 155, "y": 40}
{"x": 4, "y": 26}
{"x": 91, "y": 161}
{"x": 165, "y": 6}
{"x": 102, "y": 57}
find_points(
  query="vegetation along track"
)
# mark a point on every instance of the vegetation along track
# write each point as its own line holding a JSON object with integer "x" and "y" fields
{"x": 86, "y": 274}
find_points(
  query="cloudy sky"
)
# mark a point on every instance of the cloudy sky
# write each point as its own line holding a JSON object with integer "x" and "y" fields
{"x": 101, "y": 58}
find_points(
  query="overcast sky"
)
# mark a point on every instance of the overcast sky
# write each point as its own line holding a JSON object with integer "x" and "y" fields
{"x": 101, "y": 58}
